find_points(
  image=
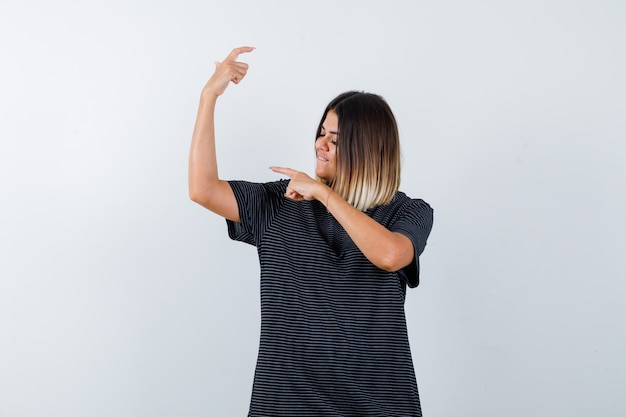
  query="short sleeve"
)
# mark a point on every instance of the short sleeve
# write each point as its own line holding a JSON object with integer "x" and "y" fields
{"x": 415, "y": 220}
{"x": 258, "y": 204}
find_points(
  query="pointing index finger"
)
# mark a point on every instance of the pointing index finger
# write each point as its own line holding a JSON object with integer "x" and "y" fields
{"x": 287, "y": 171}
{"x": 234, "y": 54}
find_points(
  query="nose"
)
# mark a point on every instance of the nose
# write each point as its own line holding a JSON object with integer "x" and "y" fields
{"x": 322, "y": 143}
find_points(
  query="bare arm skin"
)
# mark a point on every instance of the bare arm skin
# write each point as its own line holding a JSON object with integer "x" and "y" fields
{"x": 390, "y": 251}
{"x": 205, "y": 186}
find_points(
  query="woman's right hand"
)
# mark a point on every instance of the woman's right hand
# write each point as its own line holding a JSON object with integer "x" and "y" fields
{"x": 229, "y": 70}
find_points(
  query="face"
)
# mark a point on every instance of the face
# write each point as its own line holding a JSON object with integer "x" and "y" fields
{"x": 326, "y": 147}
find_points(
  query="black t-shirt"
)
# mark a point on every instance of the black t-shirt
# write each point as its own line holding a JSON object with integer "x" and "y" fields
{"x": 333, "y": 332}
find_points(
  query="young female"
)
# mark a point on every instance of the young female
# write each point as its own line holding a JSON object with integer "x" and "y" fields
{"x": 336, "y": 254}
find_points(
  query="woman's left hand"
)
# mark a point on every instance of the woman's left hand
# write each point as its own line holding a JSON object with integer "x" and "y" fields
{"x": 302, "y": 187}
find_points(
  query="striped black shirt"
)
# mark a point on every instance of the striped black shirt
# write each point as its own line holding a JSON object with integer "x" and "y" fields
{"x": 333, "y": 332}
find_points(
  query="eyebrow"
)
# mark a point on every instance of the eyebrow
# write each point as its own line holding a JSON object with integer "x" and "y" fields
{"x": 331, "y": 132}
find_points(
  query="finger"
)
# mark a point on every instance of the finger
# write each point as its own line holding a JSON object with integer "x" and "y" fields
{"x": 235, "y": 65}
{"x": 293, "y": 195}
{"x": 286, "y": 171}
{"x": 239, "y": 71}
{"x": 234, "y": 54}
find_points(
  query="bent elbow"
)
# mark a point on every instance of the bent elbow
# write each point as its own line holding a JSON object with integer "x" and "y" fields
{"x": 200, "y": 192}
{"x": 199, "y": 196}
{"x": 390, "y": 266}
{"x": 386, "y": 263}
{"x": 194, "y": 195}
{"x": 393, "y": 260}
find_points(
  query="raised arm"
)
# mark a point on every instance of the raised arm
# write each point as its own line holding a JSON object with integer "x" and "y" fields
{"x": 205, "y": 186}
{"x": 387, "y": 250}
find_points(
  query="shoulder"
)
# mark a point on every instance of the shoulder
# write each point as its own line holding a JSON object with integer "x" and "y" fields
{"x": 412, "y": 217}
{"x": 418, "y": 207}
{"x": 404, "y": 200}
{"x": 258, "y": 205}
{"x": 402, "y": 205}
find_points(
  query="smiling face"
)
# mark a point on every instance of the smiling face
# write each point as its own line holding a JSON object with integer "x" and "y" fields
{"x": 358, "y": 149}
{"x": 326, "y": 147}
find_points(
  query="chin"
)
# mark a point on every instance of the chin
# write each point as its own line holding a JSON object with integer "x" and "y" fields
{"x": 323, "y": 174}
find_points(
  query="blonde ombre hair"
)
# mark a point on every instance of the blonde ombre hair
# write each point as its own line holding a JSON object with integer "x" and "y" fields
{"x": 368, "y": 149}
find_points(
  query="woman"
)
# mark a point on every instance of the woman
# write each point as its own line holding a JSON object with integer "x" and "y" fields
{"x": 336, "y": 255}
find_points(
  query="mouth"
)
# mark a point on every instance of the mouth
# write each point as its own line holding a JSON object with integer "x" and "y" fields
{"x": 321, "y": 158}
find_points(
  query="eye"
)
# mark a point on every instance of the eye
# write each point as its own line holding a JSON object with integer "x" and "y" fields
{"x": 334, "y": 142}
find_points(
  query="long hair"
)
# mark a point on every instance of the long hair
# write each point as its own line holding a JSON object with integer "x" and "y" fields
{"x": 368, "y": 149}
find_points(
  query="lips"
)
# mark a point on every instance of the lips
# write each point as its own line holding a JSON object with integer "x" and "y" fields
{"x": 321, "y": 158}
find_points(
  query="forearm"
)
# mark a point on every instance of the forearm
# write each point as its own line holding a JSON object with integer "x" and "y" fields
{"x": 202, "y": 156}
{"x": 387, "y": 250}
{"x": 205, "y": 186}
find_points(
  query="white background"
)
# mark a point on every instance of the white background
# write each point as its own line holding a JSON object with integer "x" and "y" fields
{"x": 120, "y": 297}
